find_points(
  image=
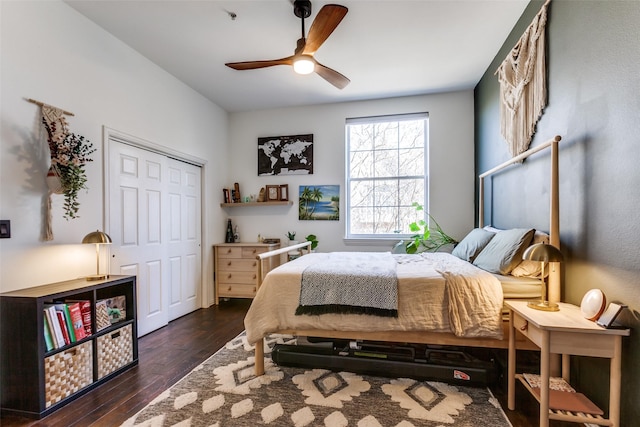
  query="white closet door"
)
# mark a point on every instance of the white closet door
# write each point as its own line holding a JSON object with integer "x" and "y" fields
{"x": 184, "y": 256}
{"x": 143, "y": 223}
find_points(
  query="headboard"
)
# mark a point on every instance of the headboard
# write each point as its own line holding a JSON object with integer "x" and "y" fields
{"x": 554, "y": 291}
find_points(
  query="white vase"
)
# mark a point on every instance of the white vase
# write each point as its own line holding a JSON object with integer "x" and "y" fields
{"x": 295, "y": 253}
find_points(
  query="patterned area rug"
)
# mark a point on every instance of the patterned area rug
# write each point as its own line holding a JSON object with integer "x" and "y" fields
{"x": 223, "y": 391}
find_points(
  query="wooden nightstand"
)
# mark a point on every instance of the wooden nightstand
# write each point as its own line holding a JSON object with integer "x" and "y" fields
{"x": 564, "y": 332}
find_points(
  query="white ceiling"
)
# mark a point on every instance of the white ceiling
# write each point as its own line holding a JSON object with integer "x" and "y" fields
{"x": 387, "y": 48}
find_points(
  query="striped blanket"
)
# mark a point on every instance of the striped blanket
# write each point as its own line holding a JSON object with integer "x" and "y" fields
{"x": 348, "y": 282}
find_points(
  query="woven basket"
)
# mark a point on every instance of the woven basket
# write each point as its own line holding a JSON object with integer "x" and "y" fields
{"x": 67, "y": 372}
{"x": 115, "y": 350}
{"x": 53, "y": 181}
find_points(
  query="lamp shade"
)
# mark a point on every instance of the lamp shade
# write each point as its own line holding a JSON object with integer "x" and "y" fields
{"x": 543, "y": 253}
{"x": 97, "y": 237}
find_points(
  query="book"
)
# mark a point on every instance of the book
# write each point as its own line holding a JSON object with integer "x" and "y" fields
{"x": 63, "y": 327}
{"x": 48, "y": 338}
{"x": 555, "y": 383}
{"x": 562, "y": 397}
{"x": 85, "y": 309}
{"x": 76, "y": 320}
{"x": 560, "y": 400}
{"x": 54, "y": 324}
{"x": 68, "y": 325}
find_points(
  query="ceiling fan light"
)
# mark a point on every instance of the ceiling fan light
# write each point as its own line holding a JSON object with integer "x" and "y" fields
{"x": 303, "y": 65}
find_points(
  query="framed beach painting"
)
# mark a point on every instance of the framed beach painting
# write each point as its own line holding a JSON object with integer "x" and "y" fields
{"x": 319, "y": 202}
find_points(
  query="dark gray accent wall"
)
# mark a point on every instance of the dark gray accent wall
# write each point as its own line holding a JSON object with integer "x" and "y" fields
{"x": 593, "y": 64}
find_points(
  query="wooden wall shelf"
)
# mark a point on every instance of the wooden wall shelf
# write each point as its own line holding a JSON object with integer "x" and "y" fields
{"x": 237, "y": 205}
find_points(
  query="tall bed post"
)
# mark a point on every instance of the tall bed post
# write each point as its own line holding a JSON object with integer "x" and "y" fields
{"x": 481, "y": 202}
{"x": 554, "y": 288}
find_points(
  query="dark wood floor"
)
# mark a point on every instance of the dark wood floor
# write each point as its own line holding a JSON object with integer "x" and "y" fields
{"x": 170, "y": 353}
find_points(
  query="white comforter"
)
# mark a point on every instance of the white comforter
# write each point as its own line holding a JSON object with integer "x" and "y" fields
{"x": 437, "y": 292}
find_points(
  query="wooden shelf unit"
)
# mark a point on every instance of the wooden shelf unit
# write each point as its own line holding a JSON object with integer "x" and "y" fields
{"x": 35, "y": 382}
{"x": 237, "y": 205}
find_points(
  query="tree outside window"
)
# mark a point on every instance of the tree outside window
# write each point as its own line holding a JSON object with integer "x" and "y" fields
{"x": 386, "y": 174}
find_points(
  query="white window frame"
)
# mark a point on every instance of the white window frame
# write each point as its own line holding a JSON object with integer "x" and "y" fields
{"x": 354, "y": 238}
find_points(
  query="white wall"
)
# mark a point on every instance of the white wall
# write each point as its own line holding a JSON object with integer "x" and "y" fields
{"x": 55, "y": 55}
{"x": 451, "y": 164}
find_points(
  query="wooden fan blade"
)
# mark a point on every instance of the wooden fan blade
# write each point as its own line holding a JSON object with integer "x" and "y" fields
{"x": 332, "y": 76}
{"x": 252, "y": 65}
{"x": 326, "y": 21}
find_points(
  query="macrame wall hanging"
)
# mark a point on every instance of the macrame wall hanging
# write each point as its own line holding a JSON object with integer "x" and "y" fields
{"x": 523, "y": 85}
{"x": 69, "y": 152}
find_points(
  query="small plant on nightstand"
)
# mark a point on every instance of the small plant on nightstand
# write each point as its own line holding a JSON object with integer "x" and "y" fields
{"x": 314, "y": 241}
{"x": 291, "y": 235}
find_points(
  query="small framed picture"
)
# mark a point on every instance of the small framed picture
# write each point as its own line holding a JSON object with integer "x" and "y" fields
{"x": 284, "y": 192}
{"x": 610, "y": 314}
{"x": 273, "y": 193}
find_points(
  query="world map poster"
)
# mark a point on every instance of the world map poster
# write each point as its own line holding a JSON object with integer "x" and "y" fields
{"x": 285, "y": 155}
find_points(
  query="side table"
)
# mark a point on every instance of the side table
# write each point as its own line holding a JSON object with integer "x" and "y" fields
{"x": 564, "y": 332}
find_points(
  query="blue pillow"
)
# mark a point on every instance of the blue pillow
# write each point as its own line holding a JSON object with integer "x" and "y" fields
{"x": 472, "y": 244}
{"x": 504, "y": 252}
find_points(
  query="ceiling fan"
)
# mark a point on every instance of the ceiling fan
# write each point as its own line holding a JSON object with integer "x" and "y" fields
{"x": 302, "y": 60}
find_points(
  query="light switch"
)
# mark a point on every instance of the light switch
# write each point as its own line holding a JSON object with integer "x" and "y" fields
{"x": 5, "y": 228}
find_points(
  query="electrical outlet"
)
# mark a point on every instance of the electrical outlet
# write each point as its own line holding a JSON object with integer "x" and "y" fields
{"x": 5, "y": 228}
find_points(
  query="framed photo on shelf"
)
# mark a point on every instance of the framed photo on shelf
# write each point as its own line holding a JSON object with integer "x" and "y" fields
{"x": 284, "y": 192}
{"x": 273, "y": 193}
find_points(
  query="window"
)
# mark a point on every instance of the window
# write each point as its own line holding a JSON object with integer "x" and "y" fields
{"x": 386, "y": 174}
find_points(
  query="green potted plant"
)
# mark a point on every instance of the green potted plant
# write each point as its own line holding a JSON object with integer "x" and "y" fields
{"x": 69, "y": 153}
{"x": 314, "y": 241}
{"x": 425, "y": 238}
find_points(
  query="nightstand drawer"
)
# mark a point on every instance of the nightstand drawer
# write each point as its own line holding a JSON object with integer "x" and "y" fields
{"x": 247, "y": 278}
{"x": 238, "y": 265}
{"x": 237, "y": 290}
{"x": 527, "y": 329}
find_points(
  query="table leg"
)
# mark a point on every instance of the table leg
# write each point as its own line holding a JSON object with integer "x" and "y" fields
{"x": 614, "y": 382}
{"x": 566, "y": 367}
{"x": 544, "y": 379}
{"x": 511, "y": 375}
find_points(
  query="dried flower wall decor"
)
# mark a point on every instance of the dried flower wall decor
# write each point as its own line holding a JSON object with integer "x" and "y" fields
{"x": 69, "y": 152}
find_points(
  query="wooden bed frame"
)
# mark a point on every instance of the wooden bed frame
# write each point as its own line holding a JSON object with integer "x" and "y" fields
{"x": 439, "y": 338}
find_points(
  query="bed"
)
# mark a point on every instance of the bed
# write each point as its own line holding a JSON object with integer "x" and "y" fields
{"x": 442, "y": 298}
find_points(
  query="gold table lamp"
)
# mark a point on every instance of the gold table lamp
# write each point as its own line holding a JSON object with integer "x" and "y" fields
{"x": 98, "y": 238}
{"x": 545, "y": 254}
